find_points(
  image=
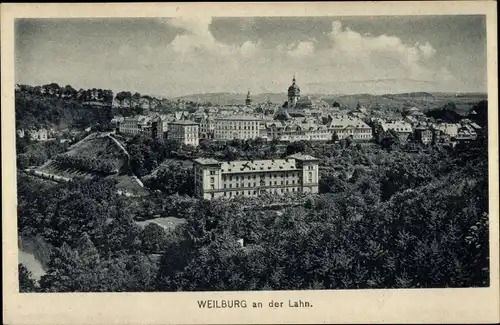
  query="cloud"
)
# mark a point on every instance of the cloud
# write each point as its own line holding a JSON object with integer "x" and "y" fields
{"x": 302, "y": 49}
{"x": 249, "y": 49}
{"x": 197, "y": 37}
{"x": 381, "y": 55}
{"x": 427, "y": 50}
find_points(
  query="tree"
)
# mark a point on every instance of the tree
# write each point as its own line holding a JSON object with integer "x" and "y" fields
{"x": 26, "y": 281}
{"x": 68, "y": 92}
{"x": 88, "y": 255}
{"x": 296, "y": 147}
{"x": 153, "y": 238}
{"x": 22, "y": 161}
{"x": 62, "y": 273}
{"x": 76, "y": 215}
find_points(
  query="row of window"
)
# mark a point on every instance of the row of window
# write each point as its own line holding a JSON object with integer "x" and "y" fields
{"x": 239, "y": 127}
{"x": 249, "y": 177}
{"x": 354, "y": 131}
{"x": 262, "y": 168}
{"x": 232, "y": 132}
{"x": 234, "y": 123}
{"x": 261, "y": 183}
{"x": 254, "y": 192}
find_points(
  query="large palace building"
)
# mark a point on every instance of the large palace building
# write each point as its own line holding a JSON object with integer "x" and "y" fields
{"x": 216, "y": 179}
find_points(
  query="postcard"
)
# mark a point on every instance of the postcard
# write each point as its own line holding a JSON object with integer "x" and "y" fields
{"x": 253, "y": 163}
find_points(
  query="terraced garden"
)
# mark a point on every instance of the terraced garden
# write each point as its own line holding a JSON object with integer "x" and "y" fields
{"x": 96, "y": 148}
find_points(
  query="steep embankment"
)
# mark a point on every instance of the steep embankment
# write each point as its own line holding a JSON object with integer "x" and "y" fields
{"x": 97, "y": 147}
{"x": 41, "y": 111}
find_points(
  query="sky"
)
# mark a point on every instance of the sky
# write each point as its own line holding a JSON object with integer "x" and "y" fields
{"x": 191, "y": 55}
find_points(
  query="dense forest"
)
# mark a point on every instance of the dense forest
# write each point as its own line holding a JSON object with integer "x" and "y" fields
{"x": 65, "y": 107}
{"x": 386, "y": 217}
{"x": 37, "y": 111}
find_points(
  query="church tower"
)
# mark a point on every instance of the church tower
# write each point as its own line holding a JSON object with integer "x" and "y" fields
{"x": 248, "y": 100}
{"x": 293, "y": 94}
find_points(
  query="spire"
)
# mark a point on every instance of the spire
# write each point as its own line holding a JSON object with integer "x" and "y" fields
{"x": 248, "y": 100}
{"x": 294, "y": 78}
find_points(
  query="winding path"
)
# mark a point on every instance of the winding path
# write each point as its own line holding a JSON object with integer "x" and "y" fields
{"x": 118, "y": 143}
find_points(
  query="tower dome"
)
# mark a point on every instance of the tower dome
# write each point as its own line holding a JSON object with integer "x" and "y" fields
{"x": 293, "y": 93}
{"x": 248, "y": 100}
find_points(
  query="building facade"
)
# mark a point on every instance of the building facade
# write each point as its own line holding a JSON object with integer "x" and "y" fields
{"x": 185, "y": 132}
{"x": 215, "y": 179}
{"x": 38, "y": 135}
{"x": 402, "y": 129}
{"x": 423, "y": 135}
{"x": 134, "y": 125}
{"x": 291, "y": 131}
{"x": 236, "y": 127}
{"x": 207, "y": 127}
{"x": 350, "y": 127}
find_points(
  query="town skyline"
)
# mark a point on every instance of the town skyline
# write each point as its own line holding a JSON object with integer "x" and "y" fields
{"x": 374, "y": 55}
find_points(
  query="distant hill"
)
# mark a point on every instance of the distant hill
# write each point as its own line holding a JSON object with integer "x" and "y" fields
{"x": 232, "y": 98}
{"x": 412, "y": 95}
{"x": 423, "y": 100}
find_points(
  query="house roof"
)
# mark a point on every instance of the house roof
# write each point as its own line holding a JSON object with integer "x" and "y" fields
{"x": 239, "y": 118}
{"x": 183, "y": 122}
{"x": 398, "y": 126}
{"x": 207, "y": 161}
{"x": 301, "y": 156}
{"x": 245, "y": 166}
{"x": 345, "y": 122}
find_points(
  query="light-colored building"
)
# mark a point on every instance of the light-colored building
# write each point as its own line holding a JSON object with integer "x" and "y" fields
{"x": 236, "y": 127}
{"x": 402, "y": 129}
{"x": 116, "y": 121}
{"x": 348, "y": 126}
{"x": 295, "y": 130}
{"x": 450, "y": 129}
{"x": 423, "y": 134}
{"x": 181, "y": 115}
{"x": 159, "y": 125}
{"x": 215, "y": 179}
{"x": 133, "y": 125}
{"x": 184, "y": 131}
{"x": 466, "y": 133}
{"x": 144, "y": 104}
{"x": 38, "y": 135}
{"x": 207, "y": 127}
